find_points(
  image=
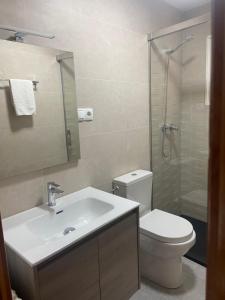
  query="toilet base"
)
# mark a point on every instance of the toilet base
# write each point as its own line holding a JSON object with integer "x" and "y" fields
{"x": 165, "y": 272}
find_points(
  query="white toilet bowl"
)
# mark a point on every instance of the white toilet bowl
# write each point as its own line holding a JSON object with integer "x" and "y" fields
{"x": 164, "y": 239}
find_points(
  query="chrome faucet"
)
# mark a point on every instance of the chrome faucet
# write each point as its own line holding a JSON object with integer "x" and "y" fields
{"x": 53, "y": 190}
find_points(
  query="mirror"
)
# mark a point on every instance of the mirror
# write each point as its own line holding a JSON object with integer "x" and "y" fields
{"x": 50, "y": 136}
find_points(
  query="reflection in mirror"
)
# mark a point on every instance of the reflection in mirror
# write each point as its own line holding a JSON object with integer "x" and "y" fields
{"x": 47, "y": 135}
{"x": 66, "y": 62}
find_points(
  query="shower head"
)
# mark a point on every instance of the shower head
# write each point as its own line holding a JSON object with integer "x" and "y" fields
{"x": 187, "y": 39}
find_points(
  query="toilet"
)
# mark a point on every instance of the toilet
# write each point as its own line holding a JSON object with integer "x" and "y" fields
{"x": 164, "y": 237}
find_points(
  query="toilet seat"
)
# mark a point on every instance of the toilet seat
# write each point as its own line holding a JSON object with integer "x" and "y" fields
{"x": 166, "y": 227}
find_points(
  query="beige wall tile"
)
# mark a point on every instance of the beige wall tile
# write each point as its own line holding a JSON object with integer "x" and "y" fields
{"x": 20, "y": 193}
{"x": 109, "y": 42}
{"x": 194, "y": 125}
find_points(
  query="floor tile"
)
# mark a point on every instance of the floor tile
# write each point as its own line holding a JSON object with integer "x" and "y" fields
{"x": 193, "y": 287}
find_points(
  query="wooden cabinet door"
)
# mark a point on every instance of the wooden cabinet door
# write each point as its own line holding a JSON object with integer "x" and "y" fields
{"x": 118, "y": 260}
{"x": 73, "y": 275}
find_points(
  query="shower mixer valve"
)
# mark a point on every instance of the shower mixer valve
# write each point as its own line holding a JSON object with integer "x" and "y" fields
{"x": 169, "y": 127}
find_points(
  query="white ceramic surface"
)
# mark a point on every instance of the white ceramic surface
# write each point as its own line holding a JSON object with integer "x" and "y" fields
{"x": 38, "y": 233}
{"x": 132, "y": 177}
{"x": 166, "y": 227}
{"x": 136, "y": 186}
{"x": 164, "y": 238}
{"x": 162, "y": 262}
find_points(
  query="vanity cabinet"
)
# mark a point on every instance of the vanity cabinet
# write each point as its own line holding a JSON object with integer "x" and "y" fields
{"x": 74, "y": 273}
{"x": 104, "y": 266}
{"x": 118, "y": 260}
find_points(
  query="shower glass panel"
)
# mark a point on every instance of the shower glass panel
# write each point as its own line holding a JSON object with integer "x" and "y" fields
{"x": 179, "y": 116}
{"x": 166, "y": 112}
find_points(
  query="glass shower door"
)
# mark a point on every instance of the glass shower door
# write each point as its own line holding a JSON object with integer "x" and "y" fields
{"x": 180, "y": 128}
{"x": 165, "y": 111}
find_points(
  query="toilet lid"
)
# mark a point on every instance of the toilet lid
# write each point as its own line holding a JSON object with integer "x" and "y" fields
{"x": 166, "y": 227}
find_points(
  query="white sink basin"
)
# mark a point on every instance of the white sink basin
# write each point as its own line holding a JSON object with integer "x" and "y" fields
{"x": 41, "y": 232}
{"x": 73, "y": 216}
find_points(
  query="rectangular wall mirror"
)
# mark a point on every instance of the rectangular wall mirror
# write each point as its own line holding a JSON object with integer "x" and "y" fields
{"x": 50, "y": 136}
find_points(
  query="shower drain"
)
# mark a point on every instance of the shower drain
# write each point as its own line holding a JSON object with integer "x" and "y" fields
{"x": 68, "y": 230}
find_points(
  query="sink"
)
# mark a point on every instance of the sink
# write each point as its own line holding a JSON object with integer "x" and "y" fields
{"x": 41, "y": 232}
{"x": 74, "y": 215}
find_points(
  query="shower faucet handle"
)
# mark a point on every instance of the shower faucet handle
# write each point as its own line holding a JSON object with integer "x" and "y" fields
{"x": 169, "y": 126}
{"x": 174, "y": 127}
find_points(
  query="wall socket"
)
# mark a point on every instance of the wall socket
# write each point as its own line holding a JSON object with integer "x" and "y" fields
{"x": 85, "y": 114}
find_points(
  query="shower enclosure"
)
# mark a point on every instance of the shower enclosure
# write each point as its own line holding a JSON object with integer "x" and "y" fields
{"x": 179, "y": 67}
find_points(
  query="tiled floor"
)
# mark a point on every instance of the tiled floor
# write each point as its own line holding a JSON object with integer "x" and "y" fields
{"x": 193, "y": 287}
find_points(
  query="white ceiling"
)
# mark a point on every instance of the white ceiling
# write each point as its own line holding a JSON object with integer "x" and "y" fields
{"x": 186, "y": 4}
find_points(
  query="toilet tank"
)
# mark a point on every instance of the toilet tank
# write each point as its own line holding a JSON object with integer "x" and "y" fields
{"x": 137, "y": 186}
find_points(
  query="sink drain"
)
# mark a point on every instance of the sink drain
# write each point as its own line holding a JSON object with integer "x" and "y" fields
{"x": 68, "y": 230}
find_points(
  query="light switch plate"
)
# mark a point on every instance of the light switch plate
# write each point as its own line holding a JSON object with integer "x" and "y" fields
{"x": 85, "y": 114}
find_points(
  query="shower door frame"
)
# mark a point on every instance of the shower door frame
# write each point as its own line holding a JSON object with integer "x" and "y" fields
{"x": 179, "y": 27}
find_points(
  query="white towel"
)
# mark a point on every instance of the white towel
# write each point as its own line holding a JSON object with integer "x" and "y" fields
{"x": 23, "y": 97}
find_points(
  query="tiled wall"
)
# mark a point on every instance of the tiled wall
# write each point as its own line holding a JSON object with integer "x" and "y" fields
{"x": 180, "y": 181}
{"x": 109, "y": 41}
{"x": 166, "y": 180}
{"x": 194, "y": 125}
